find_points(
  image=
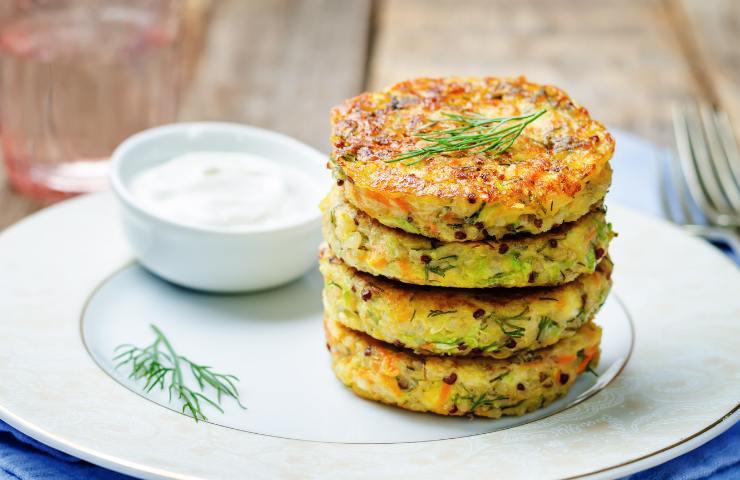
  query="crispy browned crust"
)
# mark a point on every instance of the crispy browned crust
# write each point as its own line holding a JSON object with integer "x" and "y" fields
{"x": 540, "y": 175}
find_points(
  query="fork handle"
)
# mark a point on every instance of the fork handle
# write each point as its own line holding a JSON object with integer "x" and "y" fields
{"x": 718, "y": 234}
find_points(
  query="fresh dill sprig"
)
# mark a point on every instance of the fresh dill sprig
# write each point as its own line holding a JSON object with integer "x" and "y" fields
{"x": 481, "y": 400}
{"x": 160, "y": 366}
{"x": 439, "y": 267}
{"x": 436, "y": 313}
{"x": 508, "y": 328}
{"x": 546, "y": 323}
{"x": 475, "y": 132}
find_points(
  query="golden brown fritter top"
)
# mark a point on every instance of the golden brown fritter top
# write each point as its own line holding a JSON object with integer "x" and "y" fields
{"x": 554, "y": 154}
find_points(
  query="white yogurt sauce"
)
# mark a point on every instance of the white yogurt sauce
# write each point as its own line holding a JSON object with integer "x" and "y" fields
{"x": 227, "y": 190}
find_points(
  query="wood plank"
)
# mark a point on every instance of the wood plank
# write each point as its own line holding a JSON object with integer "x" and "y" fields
{"x": 713, "y": 27}
{"x": 620, "y": 59}
{"x": 281, "y": 64}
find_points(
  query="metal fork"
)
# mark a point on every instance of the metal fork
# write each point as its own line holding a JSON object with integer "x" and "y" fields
{"x": 707, "y": 173}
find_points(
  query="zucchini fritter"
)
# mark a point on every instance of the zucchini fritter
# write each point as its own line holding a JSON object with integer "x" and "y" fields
{"x": 459, "y": 386}
{"x": 551, "y": 258}
{"x": 445, "y": 321}
{"x": 553, "y": 173}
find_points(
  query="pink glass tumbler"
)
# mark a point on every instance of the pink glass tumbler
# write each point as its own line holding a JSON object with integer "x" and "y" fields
{"x": 76, "y": 78}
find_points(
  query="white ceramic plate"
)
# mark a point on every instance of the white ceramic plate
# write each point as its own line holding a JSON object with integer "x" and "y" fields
{"x": 67, "y": 283}
{"x": 274, "y": 342}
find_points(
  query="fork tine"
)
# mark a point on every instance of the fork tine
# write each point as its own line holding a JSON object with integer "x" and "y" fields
{"x": 672, "y": 170}
{"x": 719, "y": 161}
{"x": 729, "y": 144}
{"x": 667, "y": 187}
{"x": 707, "y": 186}
{"x": 686, "y": 170}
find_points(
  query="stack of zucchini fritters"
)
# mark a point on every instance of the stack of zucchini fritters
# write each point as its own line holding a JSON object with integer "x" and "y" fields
{"x": 461, "y": 280}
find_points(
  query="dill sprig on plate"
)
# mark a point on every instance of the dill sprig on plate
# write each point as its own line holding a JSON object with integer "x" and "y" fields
{"x": 160, "y": 366}
{"x": 476, "y": 132}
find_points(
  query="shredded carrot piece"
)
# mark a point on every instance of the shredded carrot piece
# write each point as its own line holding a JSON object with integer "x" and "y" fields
{"x": 378, "y": 197}
{"x": 589, "y": 354}
{"x": 403, "y": 204}
{"x": 565, "y": 359}
{"x": 404, "y": 266}
{"x": 444, "y": 394}
{"x": 392, "y": 384}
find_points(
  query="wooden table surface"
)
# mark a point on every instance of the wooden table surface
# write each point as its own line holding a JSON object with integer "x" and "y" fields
{"x": 282, "y": 64}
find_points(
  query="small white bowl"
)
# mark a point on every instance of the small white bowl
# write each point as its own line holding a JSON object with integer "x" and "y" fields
{"x": 214, "y": 259}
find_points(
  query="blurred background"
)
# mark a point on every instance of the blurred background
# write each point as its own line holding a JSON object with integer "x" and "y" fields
{"x": 282, "y": 64}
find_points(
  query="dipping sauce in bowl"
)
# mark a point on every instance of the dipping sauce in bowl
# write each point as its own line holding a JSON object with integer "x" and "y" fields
{"x": 226, "y": 190}
{"x": 220, "y": 207}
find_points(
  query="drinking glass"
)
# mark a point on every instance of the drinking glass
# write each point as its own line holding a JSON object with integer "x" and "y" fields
{"x": 76, "y": 78}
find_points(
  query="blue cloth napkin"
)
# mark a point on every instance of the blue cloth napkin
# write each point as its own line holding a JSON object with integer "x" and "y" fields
{"x": 718, "y": 459}
{"x": 636, "y": 174}
{"x": 23, "y": 458}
